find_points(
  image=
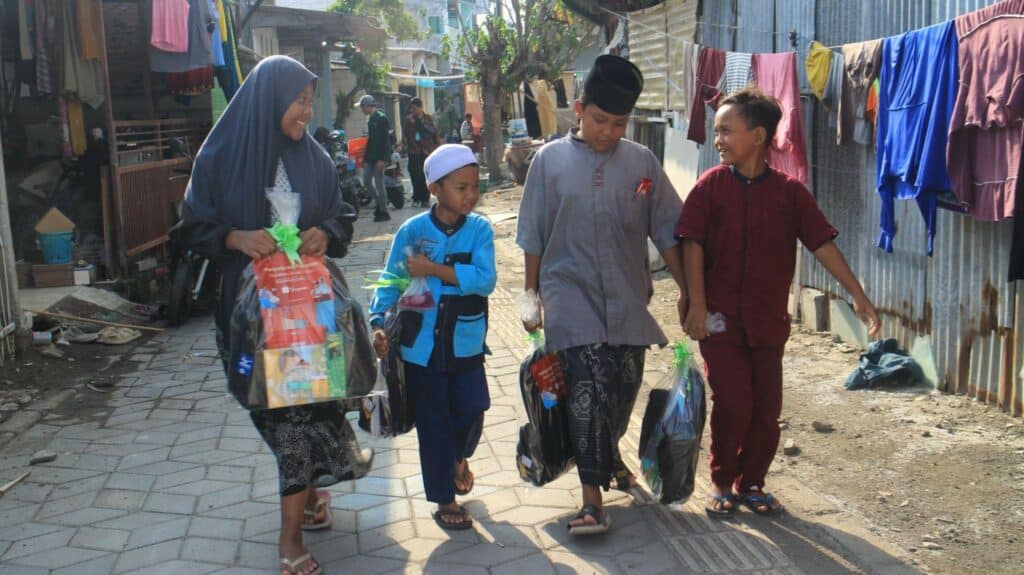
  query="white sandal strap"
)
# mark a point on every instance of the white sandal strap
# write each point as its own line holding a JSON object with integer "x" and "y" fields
{"x": 293, "y": 564}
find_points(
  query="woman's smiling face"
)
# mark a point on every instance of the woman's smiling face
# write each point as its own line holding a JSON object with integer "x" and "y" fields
{"x": 298, "y": 115}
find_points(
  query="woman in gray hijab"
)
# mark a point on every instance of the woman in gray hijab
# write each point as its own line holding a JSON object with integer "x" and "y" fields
{"x": 261, "y": 142}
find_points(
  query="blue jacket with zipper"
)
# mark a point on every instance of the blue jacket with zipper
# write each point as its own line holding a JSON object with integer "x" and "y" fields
{"x": 455, "y": 329}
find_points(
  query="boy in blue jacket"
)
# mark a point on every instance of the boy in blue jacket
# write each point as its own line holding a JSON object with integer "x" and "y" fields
{"x": 443, "y": 347}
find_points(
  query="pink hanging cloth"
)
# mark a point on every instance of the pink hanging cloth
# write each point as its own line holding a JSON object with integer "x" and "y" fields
{"x": 775, "y": 74}
{"x": 170, "y": 25}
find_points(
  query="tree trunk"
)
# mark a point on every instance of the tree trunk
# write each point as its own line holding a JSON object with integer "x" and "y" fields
{"x": 493, "y": 96}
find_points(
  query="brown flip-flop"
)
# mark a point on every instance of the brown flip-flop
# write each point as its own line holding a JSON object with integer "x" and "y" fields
{"x": 464, "y": 520}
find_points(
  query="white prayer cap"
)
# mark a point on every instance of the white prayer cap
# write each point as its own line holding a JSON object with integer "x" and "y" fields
{"x": 446, "y": 159}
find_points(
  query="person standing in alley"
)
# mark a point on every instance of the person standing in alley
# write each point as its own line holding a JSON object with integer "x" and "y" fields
{"x": 590, "y": 203}
{"x": 378, "y": 153}
{"x": 739, "y": 227}
{"x": 261, "y": 142}
{"x": 466, "y": 130}
{"x": 443, "y": 344}
{"x": 421, "y": 138}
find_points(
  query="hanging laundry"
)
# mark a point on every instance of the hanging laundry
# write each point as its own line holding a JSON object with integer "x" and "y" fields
{"x": 191, "y": 83}
{"x": 819, "y": 66}
{"x": 871, "y": 106}
{"x": 776, "y": 75}
{"x": 915, "y": 104}
{"x": 170, "y": 29}
{"x": 81, "y": 77}
{"x": 987, "y": 127}
{"x": 46, "y": 36}
{"x": 199, "y": 53}
{"x": 64, "y": 129}
{"x": 1017, "y": 244}
{"x": 76, "y": 127}
{"x": 710, "y": 67}
{"x": 737, "y": 74}
{"x": 216, "y": 44}
{"x": 229, "y": 76}
{"x": 833, "y": 94}
{"x": 90, "y": 44}
{"x": 689, "y": 53}
{"x": 25, "y": 21}
{"x": 862, "y": 60}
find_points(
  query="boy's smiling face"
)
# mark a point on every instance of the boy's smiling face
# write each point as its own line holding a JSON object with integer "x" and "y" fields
{"x": 735, "y": 140}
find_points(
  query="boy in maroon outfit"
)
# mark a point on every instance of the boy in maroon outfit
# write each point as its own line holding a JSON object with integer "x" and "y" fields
{"x": 740, "y": 225}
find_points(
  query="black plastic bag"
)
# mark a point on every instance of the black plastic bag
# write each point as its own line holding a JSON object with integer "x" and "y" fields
{"x": 545, "y": 450}
{"x": 393, "y": 405}
{"x": 245, "y": 369}
{"x": 671, "y": 432}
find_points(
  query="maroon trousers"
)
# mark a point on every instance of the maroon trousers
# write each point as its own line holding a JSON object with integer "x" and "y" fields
{"x": 746, "y": 388}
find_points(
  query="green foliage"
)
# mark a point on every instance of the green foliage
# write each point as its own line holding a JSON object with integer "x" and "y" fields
{"x": 391, "y": 14}
{"x": 370, "y": 73}
{"x": 369, "y": 67}
{"x": 537, "y": 39}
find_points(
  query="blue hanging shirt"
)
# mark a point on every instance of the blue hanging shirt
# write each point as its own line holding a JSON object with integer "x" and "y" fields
{"x": 918, "y": 85}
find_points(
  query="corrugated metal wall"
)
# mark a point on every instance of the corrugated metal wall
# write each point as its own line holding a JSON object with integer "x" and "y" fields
{"x": 655, "y": 42}
{"x": 959, "y": 297}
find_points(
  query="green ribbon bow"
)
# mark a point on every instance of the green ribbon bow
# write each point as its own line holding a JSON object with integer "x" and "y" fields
{"x": 389, "y": 280}
{"x": 287, "y": 238}
{"x": 682, "y": 355}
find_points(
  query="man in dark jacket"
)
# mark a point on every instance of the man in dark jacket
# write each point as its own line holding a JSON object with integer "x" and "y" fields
{"x": 421, "y": 138}
{"x": 378, "y": 153}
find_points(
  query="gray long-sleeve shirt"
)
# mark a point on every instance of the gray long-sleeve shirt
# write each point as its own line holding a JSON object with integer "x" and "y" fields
{"x": 584, "y": 213}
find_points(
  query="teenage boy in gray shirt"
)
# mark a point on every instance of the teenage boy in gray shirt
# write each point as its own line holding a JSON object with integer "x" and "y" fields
{"x": 590, "y": 203}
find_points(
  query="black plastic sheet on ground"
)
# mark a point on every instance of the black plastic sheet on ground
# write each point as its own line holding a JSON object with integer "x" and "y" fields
{"x": 545, "y": 451}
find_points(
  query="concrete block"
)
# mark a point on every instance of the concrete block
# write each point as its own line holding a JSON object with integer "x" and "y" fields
{"x": 924, "y": 355}
{"x": 846, "y": 324}
{"x": 814, "y": 310}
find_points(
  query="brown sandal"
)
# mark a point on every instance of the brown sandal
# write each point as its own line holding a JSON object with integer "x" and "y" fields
{"x": 467, "y": 480}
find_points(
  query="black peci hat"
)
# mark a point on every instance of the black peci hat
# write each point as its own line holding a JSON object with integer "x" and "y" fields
{"x": 613, "y": 84}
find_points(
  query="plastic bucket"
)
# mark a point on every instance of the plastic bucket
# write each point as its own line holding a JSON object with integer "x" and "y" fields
{"x": 56, "y": 247}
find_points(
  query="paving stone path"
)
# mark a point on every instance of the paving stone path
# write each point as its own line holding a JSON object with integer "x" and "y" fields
{"x": 171, "y": 477}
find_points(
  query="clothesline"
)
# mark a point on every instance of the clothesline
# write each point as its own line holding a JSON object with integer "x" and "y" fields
{"x": 705, "y": 23}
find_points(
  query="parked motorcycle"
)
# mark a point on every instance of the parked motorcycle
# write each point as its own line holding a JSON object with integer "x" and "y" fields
{"x": 393, "y": 186}
{"x": 193, "y": 277}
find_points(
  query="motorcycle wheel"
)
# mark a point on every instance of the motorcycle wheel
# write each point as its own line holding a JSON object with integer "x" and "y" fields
{"x": 396, "y": 195}
{"x": 179, "y": 302}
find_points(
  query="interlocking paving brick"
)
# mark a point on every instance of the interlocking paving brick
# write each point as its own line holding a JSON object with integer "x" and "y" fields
{"x": 201, "y": 487}
{"x": 39, "y": 543}
{"x": 120, "y": 499}
{"x": 59, "y": 557}
{"x": 101, "y": 539}
{"x": 209, "y": 550}
{"x": 212, "y": 527}
{"x": 130, "y": 481}
{"x": 169, "y": 503}
{"x": 537, "y": 564}
{"x": 146, "y": 556}
{"x": 224, "y": 498}
{"x": 177, "y": 567}
{"x": 186, "y": 473}
{"x": 166, "y": 531}
{"x": 103, "y": 565}
{"x": 87, "y": 516}
{"x": 142, "y": 519}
